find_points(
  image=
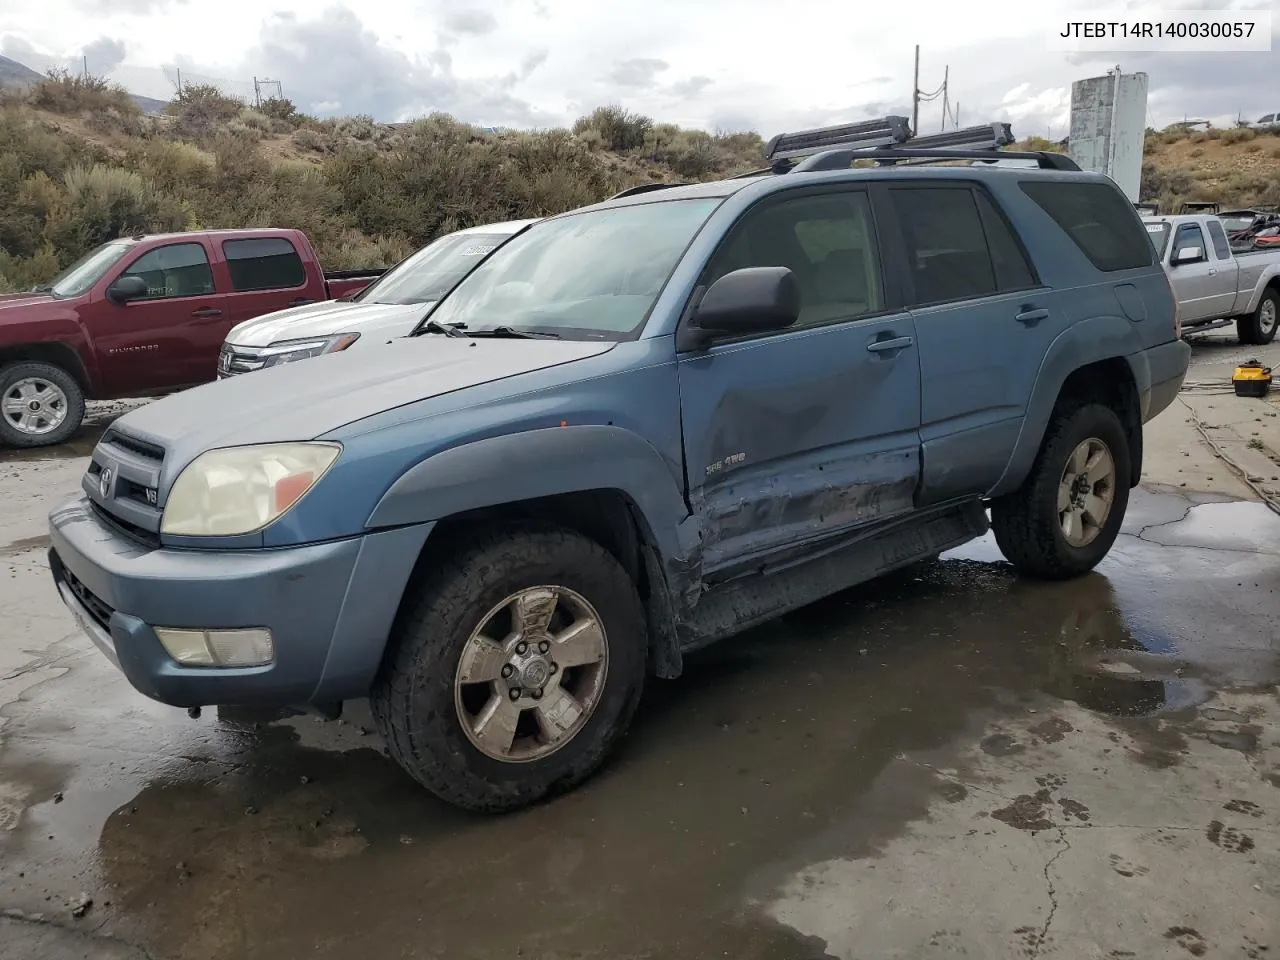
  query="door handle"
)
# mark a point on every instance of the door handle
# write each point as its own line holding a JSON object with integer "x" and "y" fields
{"x": 891, "y": 343}
{"x": 205, "y": 312}
{"x": 1031, "y": 314}
{"x": 301, "y": 301}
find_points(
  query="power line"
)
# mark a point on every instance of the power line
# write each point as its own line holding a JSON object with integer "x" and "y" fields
{"x": 918, "y": 96}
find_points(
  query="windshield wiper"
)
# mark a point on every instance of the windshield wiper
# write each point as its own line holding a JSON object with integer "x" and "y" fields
{"x": 42, "y": 288}
{"x": 448, "y": 329}
{"x": 511, "y": 333}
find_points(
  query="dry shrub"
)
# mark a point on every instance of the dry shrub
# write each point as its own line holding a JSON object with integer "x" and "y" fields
{"x": 620, "y": 129}
{"x": 63, "y": 92}
{"x": 201, "y": 109}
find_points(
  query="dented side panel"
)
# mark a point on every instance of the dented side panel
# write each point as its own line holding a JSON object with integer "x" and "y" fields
{"x": 821, "y": 493}
{"x": 796, "y": 437}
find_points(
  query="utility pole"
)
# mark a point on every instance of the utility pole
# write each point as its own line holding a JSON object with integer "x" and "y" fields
{"x": 915, "y": 95}
{"x": 179, "y": 69}
{"x": 946, "y": 74}
{"x": 85, "y": 61}
{"x": 257, "y": 96}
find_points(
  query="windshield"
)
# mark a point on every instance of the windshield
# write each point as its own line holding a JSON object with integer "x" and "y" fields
{"x": 431, "y": 272}
{"x": 1159, "y": 235}
{"x": 592, "y": 275}
{"x": 88, "y": 270}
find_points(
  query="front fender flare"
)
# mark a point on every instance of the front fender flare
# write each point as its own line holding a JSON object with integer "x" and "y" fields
{"x": 541, "y": 463}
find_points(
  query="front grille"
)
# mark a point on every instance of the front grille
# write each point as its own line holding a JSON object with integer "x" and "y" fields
{"x": 137, "y": 534}
{"x": 98, "y": 609}
{"x": 234, "y": 359}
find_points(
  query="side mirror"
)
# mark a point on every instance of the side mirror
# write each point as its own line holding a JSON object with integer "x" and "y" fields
{"x": 750, "y": 300}
{"x": 1188, "y": 255}
{"x": 127, "y": 288}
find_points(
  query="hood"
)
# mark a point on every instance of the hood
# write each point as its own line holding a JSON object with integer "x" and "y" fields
{"x": 323, "y": 319}
{"x": 301, "y": 401}
{"x": 10, "y": 301}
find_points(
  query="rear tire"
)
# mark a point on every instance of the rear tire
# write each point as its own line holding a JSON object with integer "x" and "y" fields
{"x": 1260, "y": 326}
{"x": 1030, "y": 525}
{"x": 40, "y": 404}
{"x": 444, "y": 697}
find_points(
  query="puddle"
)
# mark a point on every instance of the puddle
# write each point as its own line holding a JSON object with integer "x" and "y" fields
{"x": 1243, "y": 526}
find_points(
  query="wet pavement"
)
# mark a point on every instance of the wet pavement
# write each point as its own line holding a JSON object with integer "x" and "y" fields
{"x": 951, "y": 762}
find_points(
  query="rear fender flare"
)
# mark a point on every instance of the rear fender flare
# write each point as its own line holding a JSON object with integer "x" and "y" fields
{"x": 1090, "y": 341}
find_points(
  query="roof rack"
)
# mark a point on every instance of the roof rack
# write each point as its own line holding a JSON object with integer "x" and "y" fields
{"x": 645, "y": 188}
{"x": 985, "y": 136}
{"x": 805, "y": 143}
{"x": 890, "y": 141}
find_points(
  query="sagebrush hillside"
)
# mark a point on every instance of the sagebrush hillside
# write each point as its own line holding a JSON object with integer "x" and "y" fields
{"x": 81, "y": 164}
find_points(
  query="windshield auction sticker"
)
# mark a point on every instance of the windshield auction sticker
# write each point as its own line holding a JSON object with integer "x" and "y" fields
{"x": 1140, "y": 29}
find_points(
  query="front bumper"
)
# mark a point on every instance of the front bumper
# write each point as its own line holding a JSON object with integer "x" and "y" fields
{"x": 329, "y": 607}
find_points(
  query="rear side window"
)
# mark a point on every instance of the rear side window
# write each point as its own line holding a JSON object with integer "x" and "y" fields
{"x": 959, "y": 247}
{"x": 263, "y": 263}
{"x": 1098, "y": 219}
{"x": 1221, "y": 247}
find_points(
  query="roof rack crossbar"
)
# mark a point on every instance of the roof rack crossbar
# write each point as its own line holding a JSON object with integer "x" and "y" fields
{"x": 869, "y": 133}
{"x": 645, "y": 188}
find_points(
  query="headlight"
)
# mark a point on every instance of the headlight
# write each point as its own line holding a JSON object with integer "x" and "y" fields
{"x": 235, "y": 490}
{"x": 287, "y": 351}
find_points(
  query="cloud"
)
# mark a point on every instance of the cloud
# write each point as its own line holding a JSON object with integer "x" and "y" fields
{"x": 690, "y": 88}
{"x": 117, "y": 7}
{"x": 638, "y": 72}
{"x": 474, "y": 22}
{"x": 104, "y": 55}
{"x": 333, "y": 64}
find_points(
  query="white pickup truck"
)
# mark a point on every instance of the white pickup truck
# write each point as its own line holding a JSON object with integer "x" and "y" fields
{"x": 1216, "y": 287}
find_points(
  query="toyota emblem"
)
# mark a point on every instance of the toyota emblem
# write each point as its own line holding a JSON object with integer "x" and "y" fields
{"x": 104, "y": 482}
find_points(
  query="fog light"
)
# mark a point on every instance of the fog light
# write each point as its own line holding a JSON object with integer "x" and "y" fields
{"x": 218, "y": 648}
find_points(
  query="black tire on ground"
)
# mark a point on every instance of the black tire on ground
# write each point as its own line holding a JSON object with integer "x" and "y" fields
{"x": 11, "y": 374}
{"x": 1027, "y": 524}
{"x": 1260, "y": 326}
{"x": 413, "y": 698}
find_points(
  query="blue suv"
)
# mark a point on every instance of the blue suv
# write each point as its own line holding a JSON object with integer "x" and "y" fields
{"x": 635, "y": 429}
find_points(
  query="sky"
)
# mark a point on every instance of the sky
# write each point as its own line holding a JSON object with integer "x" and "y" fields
{"x": 714, "y": 64}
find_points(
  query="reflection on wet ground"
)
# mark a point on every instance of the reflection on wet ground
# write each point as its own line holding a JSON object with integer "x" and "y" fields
{"x": 237, "y": 836}
{"x": 99, "y": 414}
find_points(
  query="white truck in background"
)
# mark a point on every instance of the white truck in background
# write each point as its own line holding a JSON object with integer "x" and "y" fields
{"x": 1215, "y": 286}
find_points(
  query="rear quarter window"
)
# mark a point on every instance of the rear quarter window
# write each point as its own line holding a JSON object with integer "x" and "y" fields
{"x": 263, "y": 263}
{"x": 1098, "y": 219}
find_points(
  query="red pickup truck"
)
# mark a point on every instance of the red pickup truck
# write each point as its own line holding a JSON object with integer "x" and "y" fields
{"x": 142, "y": 316}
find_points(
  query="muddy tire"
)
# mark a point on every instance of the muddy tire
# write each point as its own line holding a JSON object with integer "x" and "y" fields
{"x": 539, "y": 612}
{"x": 1085, "y": 463}
{"x": 40, "y": 404}
{"x": 1260, "y": 326}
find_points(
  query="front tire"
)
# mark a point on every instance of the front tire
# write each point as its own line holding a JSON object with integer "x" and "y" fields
{"x": 1068, "y": 512}
{"x": 514, "y": 670}
{"x": 40, "y": 404}
{"x": 1260, "y": 326}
